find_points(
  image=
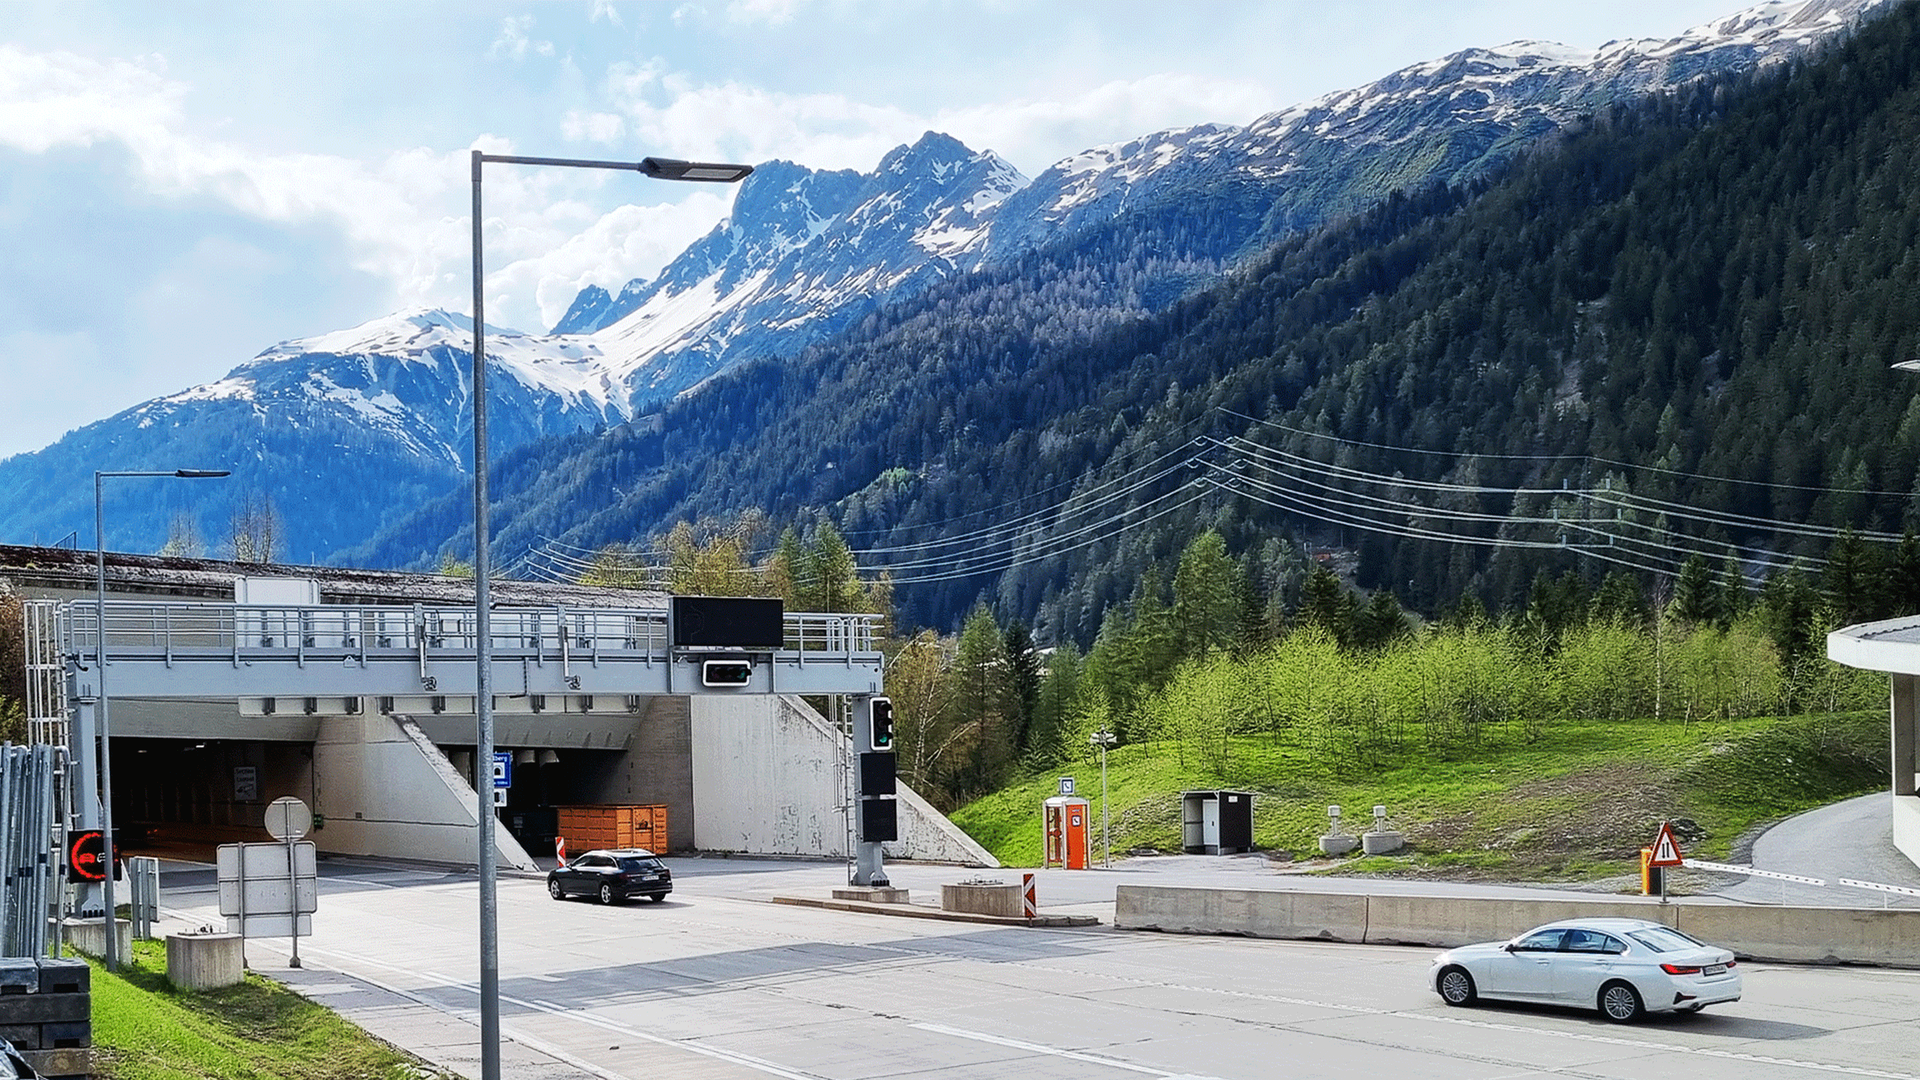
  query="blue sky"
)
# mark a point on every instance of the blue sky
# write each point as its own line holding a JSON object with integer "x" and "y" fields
{"x": 184, "y": 184}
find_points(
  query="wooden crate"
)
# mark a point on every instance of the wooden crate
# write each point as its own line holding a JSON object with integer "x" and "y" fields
{"x": 613, "y": 826}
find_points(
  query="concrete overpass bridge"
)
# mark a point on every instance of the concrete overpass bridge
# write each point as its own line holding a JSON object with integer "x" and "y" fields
{"x": 361, "y": 703}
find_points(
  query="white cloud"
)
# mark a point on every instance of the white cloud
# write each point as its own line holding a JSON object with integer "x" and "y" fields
{"x": 58, "y": 99}
{"x": 603, "y": 9}
{"x": 766, "y": 12}
{"x": 748, "y": 123}
{"x": 600, "y": 127}
{"x": 560, "y": 258}
{"x": 404, "y": 218}
{"x": 513, "y": 41}
{"x": 1030, "y": 133}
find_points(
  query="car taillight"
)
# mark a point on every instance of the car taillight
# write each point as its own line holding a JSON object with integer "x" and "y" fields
{"x": 1680, "y": 969}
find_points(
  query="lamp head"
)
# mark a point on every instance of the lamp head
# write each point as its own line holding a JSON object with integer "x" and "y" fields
{"x": 699, "y": 171}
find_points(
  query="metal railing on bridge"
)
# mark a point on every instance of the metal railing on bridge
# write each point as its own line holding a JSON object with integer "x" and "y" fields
{"x": 288, "y": 650}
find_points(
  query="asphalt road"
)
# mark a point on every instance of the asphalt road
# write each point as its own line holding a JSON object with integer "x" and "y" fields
{"x": 1851, "y": 839}
{"x": 719, "y": 982}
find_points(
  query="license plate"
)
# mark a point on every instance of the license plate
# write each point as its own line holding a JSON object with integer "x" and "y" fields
{"x": 1714, "y": 969}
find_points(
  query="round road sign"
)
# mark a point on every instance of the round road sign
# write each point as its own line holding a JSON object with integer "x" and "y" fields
{"x": 288, "y": 818}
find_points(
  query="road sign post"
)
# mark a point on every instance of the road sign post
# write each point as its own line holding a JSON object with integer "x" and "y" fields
{"x": 287, "y": 819}
{"x": 1666, "y": 853}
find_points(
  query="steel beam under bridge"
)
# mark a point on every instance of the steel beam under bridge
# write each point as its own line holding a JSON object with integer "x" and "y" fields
{"x": 191, "y": 649}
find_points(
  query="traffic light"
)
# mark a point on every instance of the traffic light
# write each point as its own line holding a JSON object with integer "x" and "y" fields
{"x": 879, "y": 820}
{"x": 882, "y": 724}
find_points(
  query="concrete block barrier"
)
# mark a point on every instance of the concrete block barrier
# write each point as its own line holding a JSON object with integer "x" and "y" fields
{"x": 1876, "y": 936}
{"x": 1253, "y": 912}
{"x": 205, "y": 961}
{"x": 89, "y": 936}
{"x": 1888, "y": 937}
{"x": 1450, "y": 921}
{"x": 982, "y": 898}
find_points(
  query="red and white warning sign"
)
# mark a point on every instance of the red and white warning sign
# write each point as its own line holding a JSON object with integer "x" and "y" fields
{"x": 1028, "y": 905}
{"x": 1666, "y": 850}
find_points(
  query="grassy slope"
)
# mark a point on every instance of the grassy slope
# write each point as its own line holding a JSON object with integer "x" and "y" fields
{"x": 1579, "y": 802}
{"x": 144, "y": 1029}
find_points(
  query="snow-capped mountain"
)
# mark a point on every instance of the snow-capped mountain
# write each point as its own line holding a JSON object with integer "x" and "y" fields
{"x": 1448, "y": 119}
{"x": 407, "y": 378}
{"x": 344, "y": 429}
{"x": 803, "y": 254}
{"x": 806, "y": 253}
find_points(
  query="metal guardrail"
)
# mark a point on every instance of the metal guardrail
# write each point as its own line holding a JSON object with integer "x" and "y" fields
{"x": 1775, "y": 875}
{"x": 143, "y": 875}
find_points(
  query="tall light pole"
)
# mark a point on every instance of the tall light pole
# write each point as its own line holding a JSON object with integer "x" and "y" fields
{"x": 112, "y": 952}
{"x": 1104, "y": 739}
{"x": 659, "y": 169}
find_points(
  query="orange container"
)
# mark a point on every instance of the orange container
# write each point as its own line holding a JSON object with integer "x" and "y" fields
{"x": 613, "y": 826}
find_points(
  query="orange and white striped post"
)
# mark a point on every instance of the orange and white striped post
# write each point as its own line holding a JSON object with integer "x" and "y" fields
{"x": 1029, "y": 904}
{"x": 560, "y": 850}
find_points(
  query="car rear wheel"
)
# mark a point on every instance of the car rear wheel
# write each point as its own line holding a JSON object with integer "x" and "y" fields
{"x": 1456, "y": 987}
{"x": 658, "y": 898}
{"x": 1620, "y": 1003}
{"x": 554, "y": 890}
{"x": 606, "y": 894}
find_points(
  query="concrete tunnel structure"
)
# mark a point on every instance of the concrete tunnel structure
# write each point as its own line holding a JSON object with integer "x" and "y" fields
{"x": 756, "y": 772}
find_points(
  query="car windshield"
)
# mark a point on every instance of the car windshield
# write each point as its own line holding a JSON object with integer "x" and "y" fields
{"x": 632, "y": 864}
{"x": 1663, "y": 939}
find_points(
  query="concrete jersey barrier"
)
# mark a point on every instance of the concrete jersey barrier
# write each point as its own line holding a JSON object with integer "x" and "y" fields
{"x": 1888, "y": 937}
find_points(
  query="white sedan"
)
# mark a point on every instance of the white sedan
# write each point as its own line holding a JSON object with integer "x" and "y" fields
{"x": 1623, "y": 967}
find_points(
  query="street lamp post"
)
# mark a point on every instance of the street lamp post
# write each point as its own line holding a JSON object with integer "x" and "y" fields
{"x": 659, "y": 169}
{"x": 112, "y": 953}
{"x": 1104, "y": 739}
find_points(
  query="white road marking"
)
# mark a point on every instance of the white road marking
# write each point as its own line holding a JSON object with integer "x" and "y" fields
{"x": 472, "y": 1016}
{"x": 771, "y": 1068}
{"x": 1054, "y": 1051}
{"x": 1462, "y": 1021}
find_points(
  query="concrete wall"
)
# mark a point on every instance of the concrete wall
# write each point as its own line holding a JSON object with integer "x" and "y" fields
{"x": 657, "y": 770}
{"x": 386, "y": 789}
{"x": 1906, "y": 826}
{"x": 640, "y": 758}
{"x": 769, "y": 778}
{"x": 1884, "y": 936}
{"x": 1904, "y": 714}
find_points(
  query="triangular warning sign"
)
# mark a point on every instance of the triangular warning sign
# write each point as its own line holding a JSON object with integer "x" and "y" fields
{"x": 1666, "y": 850}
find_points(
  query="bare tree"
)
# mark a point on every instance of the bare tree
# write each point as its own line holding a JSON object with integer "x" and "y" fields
{"x": 255, "y": 533}
{"x": 183, "y": 538}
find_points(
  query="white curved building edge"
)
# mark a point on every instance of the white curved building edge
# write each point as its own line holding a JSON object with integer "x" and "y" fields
{"x": 1893, "y": 646}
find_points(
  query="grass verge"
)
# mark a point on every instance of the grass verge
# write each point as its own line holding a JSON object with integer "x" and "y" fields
{"x": 145, "y": 1029}
{"x": 1575, "y": 803}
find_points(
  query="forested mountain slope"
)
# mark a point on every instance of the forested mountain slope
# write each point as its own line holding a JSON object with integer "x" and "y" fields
{"x": 1697, "y": 300}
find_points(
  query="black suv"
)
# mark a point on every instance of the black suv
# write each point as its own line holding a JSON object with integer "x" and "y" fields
{"x": 613, "y": 875}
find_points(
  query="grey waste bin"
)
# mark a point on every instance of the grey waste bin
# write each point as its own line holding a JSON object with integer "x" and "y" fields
{"x": 1216, "y": 822}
